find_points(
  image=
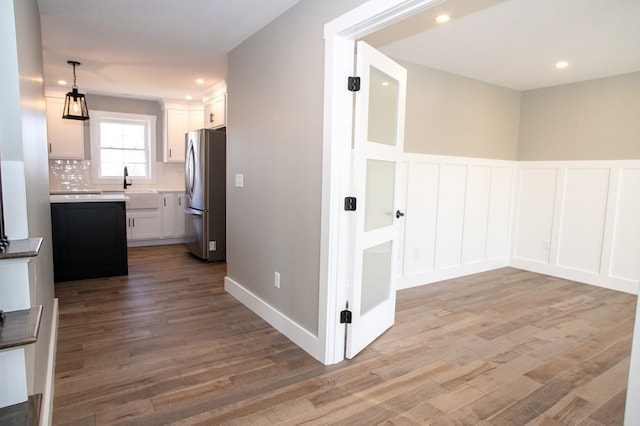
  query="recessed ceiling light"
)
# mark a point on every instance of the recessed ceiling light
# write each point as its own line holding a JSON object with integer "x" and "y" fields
{"x": 562, "y": 65}
{"x": 441, "y": 19}
{"x": 199, "y": 81}
{"x": 188, "y": 97}
{"x": 385, "y": 83}
{"x": 62, "y": 82}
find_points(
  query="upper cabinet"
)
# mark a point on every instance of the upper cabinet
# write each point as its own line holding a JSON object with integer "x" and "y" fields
{"x": 178, "y": 120}
{"x": 215, "y": 106}
{"x": 215, "y": 112}
{"x": 65, "y": 137}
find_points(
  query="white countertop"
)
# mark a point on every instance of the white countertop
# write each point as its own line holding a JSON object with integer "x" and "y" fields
{"x": 87, "y": 198}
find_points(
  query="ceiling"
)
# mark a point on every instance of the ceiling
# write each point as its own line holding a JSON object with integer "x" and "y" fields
{"x": 516, "y": 43}
{"x": 147, "y": 49}
{"x": 156, "y": 49}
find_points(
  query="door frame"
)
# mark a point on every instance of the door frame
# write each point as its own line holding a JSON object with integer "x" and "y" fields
{"x": 337, "y": 226}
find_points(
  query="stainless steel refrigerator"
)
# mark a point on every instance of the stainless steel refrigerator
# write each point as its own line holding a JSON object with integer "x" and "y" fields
{"x": 205, "y": 188}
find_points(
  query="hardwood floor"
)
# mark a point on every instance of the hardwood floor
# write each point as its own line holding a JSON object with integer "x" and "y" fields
{"x": 167, "y": 345}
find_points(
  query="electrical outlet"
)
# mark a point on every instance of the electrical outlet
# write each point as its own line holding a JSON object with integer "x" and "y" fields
{"x": 276, "y": 279}
{"x": 212, "y": 246}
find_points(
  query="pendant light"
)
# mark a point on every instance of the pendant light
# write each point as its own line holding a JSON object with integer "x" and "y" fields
{"x": 75, "y": 106}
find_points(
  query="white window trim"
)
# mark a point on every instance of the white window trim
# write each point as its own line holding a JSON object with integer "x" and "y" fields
{"x": 96, "y": 118}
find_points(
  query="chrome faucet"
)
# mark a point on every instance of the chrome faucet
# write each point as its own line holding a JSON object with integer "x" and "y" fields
{"x": 126, "y": 173}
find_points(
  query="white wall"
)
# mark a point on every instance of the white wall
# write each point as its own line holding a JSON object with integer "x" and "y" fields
{"x": 580, "y": 221}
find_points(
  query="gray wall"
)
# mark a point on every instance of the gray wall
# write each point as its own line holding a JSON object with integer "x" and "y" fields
{"x": 592, "y": 120}
{"x": 275, "y": 118}
{"x": 448, "y": 114}
{"x": 23, "y": 139}
{"x": 126, "y": 105}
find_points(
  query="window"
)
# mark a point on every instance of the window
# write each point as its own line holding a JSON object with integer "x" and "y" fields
{"x": 120, "y": 140}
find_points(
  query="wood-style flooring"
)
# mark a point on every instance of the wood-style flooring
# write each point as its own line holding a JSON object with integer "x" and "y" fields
{"x": 167, "y": 345}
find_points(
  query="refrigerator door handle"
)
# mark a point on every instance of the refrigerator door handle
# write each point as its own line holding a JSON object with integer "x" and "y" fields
{"x": 194, "y": 212}
{"x": 190, "y": 168}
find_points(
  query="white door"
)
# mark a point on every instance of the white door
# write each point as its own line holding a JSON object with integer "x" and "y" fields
{"x": 378, "y": 143}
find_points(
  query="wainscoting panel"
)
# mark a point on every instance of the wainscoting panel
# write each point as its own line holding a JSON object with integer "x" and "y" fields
{"x": 476, "y": 214}
{"x": 421, "y": 217}
{"x": 499, "y": 219}
{"x": 587, "y": 213}
{"x": 625, "y": 247}
{"x": 582, "y": 219}
{"x": 534, "y": 214}
{"x": 451, "y": 209}
{"x": 457, "y": 220}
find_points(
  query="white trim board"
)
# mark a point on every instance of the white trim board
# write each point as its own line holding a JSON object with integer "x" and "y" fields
{"x": 46, "y": 412}
{"x": 275, "y": 318}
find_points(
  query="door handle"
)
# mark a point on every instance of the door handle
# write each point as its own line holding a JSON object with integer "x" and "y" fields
{"x": 193, "y": 212}
{"x": 399, "y": 214}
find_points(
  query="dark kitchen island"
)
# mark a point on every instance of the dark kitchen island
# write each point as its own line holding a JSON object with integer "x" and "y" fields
{"x": 89, "y": 236}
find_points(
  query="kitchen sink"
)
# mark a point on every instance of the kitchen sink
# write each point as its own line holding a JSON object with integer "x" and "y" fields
{"x": 142, "y": 199}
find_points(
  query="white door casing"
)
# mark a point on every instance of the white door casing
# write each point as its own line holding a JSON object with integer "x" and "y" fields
{"x": 336, "y": 260}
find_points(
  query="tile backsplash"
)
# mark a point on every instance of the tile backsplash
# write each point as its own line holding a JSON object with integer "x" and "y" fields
{"x": 75, "y": 175}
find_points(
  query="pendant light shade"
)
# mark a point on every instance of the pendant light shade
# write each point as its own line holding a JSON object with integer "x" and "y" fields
{"x": 75, "y": 105}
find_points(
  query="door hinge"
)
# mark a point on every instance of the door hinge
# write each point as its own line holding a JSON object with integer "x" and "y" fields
{"x": 345, "y": 317}
{"x": 350, "y": 204}
{"x": 354, "y": 84}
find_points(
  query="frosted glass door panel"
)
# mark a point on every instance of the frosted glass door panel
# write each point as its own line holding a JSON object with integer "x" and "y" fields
{"x": 376, "y": 273}
{"x": 379, "y": 194}
{"x": 383, "y": 108}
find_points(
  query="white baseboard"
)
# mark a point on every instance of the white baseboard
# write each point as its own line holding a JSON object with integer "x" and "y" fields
{"x": 429, "y": 277}
{"x": 297, "y": 334}
{"x": 46, "y": 410}
{"x": 578, "y": 276}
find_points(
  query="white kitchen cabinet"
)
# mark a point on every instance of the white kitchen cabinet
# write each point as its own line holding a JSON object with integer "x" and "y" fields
{"x": 176, "y": 125}
{"x": 215, "y": 112}
{"x": 144, "y": 224}
{"x": 196, "y": 118}
{"x": 173, "y": 216}
{"x": 178, "y": 121}
{"x": 65, "y": 137}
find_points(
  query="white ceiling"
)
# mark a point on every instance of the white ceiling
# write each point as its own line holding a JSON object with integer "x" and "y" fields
{"x": 149, "y": 49}
{"x": 155, "y": 49}
{"x": 516, "y": 43}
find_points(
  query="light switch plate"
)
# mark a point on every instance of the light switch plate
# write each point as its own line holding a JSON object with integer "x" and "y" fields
{"x": 239, "y": 181}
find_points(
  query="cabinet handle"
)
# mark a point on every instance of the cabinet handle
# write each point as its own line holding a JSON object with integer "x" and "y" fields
{"x": 49, "y": 148}
{"x": 211, "y": 117}
{"x": 169, "y": 152}
{"x": 133, "y": 220}
{"x": 165, "y": 201}
{"x": 179, "y": 201}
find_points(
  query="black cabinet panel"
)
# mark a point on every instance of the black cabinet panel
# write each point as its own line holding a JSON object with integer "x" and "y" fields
{"x": 89, "y": 240}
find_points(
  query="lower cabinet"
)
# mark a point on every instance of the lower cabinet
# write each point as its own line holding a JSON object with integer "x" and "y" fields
{"x": 89, "y": 240}
{"x": 144, "y": 224}
{"x": 162, "y": 225}
{"x": 173, "y": 216}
